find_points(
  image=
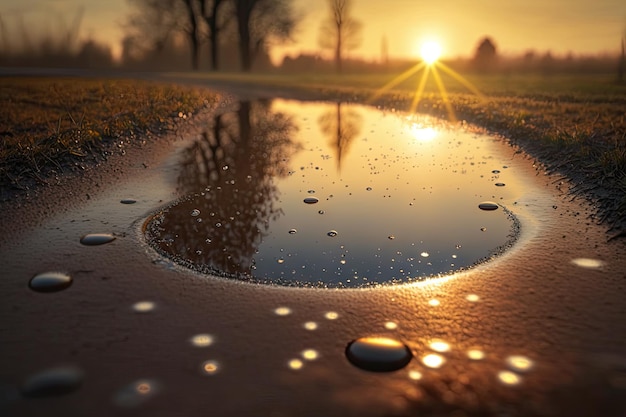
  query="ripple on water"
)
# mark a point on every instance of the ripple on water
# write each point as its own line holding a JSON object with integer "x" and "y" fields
{"x": 50, "y": 282}
{"x": 53, "y": 382}
{"x": 94, "y": 239}
{"x": 378, "y": 354}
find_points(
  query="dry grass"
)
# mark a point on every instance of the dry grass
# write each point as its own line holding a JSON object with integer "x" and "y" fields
{"x": 52, "y": 126}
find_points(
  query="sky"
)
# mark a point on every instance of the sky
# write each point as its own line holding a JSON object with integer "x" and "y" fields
{"x": 579, "y": 26}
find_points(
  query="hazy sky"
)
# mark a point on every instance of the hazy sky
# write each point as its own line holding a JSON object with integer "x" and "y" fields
{"x": 580, "y": 26}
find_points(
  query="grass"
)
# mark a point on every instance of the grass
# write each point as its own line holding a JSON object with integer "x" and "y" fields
{"x": 574, "y": 124}
{"x": 54, "y": 126}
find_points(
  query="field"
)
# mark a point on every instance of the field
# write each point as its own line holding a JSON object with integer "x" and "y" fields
{"x": 574, "y": 124}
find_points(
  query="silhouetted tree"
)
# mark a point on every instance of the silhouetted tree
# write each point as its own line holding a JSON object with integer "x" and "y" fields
{"x": 210, "y": 14}
{"x": 340, "y": 31}
{"x": 259, "y": 22}
{"x": 230, "y": 175}
{"x": 341, "y": 126}
{"x": 486, "y": 55}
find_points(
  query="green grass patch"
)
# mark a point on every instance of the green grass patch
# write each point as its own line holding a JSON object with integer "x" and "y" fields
{"x": 51, "y": 125}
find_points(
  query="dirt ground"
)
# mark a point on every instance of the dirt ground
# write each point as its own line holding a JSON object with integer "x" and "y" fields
{"x": 555, "y": 299}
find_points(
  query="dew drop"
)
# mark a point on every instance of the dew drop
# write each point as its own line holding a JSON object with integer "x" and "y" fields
{"x": 391, "y": 325}
{"x": 311, "y": 200}
{"x": 52, "y": 382}
{"x": 195, "y": 213}
{"x": 476, "y": 354}
{"x": 509, "y": 378}
{"x": 310, "y": 325}
{"x": 488, "y": 205}
{"x": 292, "y": 231}
{"x": 310, "y": 354}
{"x": 369, "y": 188}
{"x": 321, "y": 212}
{"x": 311, "y": 191}
{"x": 519, "y": 363}
{"x": 415, "y": 375}
{"x": 424, "y": 254}
{"x": 483, "y": 229}
{"x": 280, "y": 260}
{"x": 50, "y": 282}
{"x": 136, "y": 393}
{"x": 391, "y": 237}
{"x": 378, "y": 354}
{"x": 128, "y": 201}
{"x": 94, "y": 239}
{"x": 331, "y": 315}
{"x": 495, "y": 171}
{"x": 500, "y": 184}
{"x": 332, "y": 233}
{"x": 295, "y": 364}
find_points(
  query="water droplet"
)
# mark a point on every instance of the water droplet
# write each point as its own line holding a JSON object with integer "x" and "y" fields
{"x": 378, "y": 354}
{"x": 310, "y": 354}
{"x": 280, "y": 260}
{"x": 391, "y": 237}
{"x": 588, "y": 263}
{"x": 50, "y": 282}
{"x": 282, "y": 311}
{"x": 519, "y": 363}
{"x": 295, "y": 364}
{"x": 310, "y": 325}
{"x": 439, "y": 346}
{"x": 424, "y": 254}
{"x": 500, "y": 184}
{"x": 94, "y": 239}
{"x": 321, "y": 212}
{"x": 488, "y": 205}
{"x": 483, "y": 229}
{"x": 311, "y": 200}
{"x": 128, "y": 201}
{"x": 331, "y": 315}
{"x": 369, "y": 188}
{"x": 201, "y": 340}
{"x": 509, "y": 378}
{"x": 292, "y": 231}
{"x": 311, "y": 191}
{"x": 210, "y": 367}
{"x": 52, "y": 382}
{"x": 476, "y": 354}
{"x": 390, "y": 325}
{"x": 495, "y": 171}
{"x": 136, "y": 393}
{"x": 195, "y": 212}
{"x": 332, "y": 233}
{"x": 144, "y": 306}
{"x": 415, "y": 375}
{"x": 472, "y": 298}
{"x": 433, "y": 360}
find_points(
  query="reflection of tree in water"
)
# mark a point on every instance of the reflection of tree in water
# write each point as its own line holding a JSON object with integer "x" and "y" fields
{"x": 341, "y": 126}
{"x": 229, "y": 172}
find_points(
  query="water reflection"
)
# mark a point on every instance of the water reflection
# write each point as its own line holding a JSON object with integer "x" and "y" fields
{"x": 292, "y": 193}
{"x": 231, "y": 172}
{"x": 341, "y": 125}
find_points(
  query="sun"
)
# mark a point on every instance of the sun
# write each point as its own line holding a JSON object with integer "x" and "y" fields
{"x": 430, "y": 52}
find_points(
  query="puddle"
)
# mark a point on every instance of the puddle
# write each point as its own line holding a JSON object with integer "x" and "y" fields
{"x": 335, "y": 195}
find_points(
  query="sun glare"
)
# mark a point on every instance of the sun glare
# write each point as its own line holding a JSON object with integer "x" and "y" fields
{"x": 430, "y": 52}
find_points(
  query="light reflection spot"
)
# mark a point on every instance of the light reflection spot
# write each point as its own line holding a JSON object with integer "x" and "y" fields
{"x": 509, "y": 378}
{"x": 210, "y": 367}
{"x": 144, "y": 306}
{"x": 434, "y": 302}
{"x": 282, "y": 311}
{"x": 310, "y": 354}
{"x": 143, "y": 388}
{"x": 475, "y": 354}
{"x": 390, "y": 325}
{"x": 433, "y": 360}
{"x": 439, "y": 346}
{"x": 295, "y": 364}
{"x": 202, "y": 340}
{"x": 472, "y": 298}
{"x": 310, "y": 325}
{"x": 331, "y": 315}
{"x": 519, "y": 363}
{"x": 588, "y": 263}
{"x": 415, "y": 375}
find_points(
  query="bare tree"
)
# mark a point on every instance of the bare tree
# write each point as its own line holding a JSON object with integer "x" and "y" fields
{"x": 260, "y": 22}
{"x": 215, "y": 26}
{"x": 340, "y": 31}
{"x": 621, "y": 67}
